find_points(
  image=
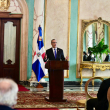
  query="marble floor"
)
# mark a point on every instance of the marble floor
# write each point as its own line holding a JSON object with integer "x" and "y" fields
{"x": 65, "y": 89}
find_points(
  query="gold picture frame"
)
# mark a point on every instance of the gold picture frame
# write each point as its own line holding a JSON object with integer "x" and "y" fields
{"x": 84, "y": 25}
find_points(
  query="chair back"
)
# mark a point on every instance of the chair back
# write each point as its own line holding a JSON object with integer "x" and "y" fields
{"x": 87, "y": 83}
{"x": 88, "y": 96}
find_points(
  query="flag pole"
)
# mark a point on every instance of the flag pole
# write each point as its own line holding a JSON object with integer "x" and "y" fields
{"x": 38, "y": 65}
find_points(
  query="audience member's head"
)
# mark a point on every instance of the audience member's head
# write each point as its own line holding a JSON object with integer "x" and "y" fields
{"x": 8, "y": 92}
{"x": 84, "y": 53}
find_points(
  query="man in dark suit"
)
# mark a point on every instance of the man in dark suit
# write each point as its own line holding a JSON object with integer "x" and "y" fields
{"x": 107, "y": 58}
{"x": 8, "y": 94}
{"x": 54, "y": 53}
{"x": 84, "y": 56}
{"x": 101, "y": 102}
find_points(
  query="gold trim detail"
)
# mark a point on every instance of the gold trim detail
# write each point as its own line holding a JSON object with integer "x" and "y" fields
{"x": 69, "y": 17}
{"x": 109, "y": 36}
{"x": 93, "y": 66}
{"x": 85, "y": 24}
{"x": 77, "y": 40}
{"x": 4, "y": 4}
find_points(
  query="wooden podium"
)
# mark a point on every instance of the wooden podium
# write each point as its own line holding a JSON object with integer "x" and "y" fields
{"x": 56, "y": 80}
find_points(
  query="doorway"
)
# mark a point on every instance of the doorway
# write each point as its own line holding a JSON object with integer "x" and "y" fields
{"x": 10, "y": 47}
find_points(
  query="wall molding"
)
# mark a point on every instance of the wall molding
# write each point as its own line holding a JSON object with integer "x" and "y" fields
{"x": 24, "y": 39}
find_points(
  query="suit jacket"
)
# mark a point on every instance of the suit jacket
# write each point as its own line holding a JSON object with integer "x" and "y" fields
{"x": 89, "y": 58}
{"x": 3, "y": 107}
{"x": 84, "y": 58}
{"x": 50, "y": 54}
{"x": 102, "y": 95}
{"x": 107, "y": 58}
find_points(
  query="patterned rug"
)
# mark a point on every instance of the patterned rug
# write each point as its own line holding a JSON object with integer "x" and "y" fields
{"x": 37, "y": 100}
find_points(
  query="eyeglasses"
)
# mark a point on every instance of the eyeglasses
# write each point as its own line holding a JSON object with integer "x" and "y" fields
{"x": 54, "y": 42}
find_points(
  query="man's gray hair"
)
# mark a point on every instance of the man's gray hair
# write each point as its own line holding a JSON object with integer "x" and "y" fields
{"x": 52, "y": 40}
{"x": 8, "y": 96}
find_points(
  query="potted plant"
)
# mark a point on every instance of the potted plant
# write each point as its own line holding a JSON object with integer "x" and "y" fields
{"x": 99, "y": 49}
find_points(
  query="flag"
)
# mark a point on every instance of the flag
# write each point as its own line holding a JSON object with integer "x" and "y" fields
{"x": 38, "y": 65}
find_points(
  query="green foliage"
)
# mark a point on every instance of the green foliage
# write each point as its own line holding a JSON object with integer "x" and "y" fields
{"x": 99, "y": 49}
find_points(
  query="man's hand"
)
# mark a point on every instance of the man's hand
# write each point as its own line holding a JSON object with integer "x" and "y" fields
{"x": 45, "y": 56}
{"x": 66, "y": 58}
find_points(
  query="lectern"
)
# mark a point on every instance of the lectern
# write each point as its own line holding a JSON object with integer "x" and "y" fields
{"x": 56, "y": 80}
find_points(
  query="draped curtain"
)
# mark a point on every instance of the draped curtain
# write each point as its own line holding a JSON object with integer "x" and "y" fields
{"x": 89, "y": 38}
{"x": 106, "y": 34}
{"x": 100, "y": 31}
{"x": 94, "y": 34}
{"x": 84, "y": 42}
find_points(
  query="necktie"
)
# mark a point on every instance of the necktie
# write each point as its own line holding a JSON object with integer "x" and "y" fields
{"x": 55, "y": 53}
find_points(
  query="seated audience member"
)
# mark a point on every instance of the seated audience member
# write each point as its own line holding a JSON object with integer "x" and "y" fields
{"x": 84, "y": 56}
{"x": 101, "y": 102}
{"x": 8, "y": 94}
{"x": 89, "y": 58}
{"x": 107, "y": 58}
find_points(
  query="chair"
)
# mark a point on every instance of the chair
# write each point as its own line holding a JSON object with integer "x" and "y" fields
{"x": 88, "y": 96}
{"x": 86, "y": 86}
